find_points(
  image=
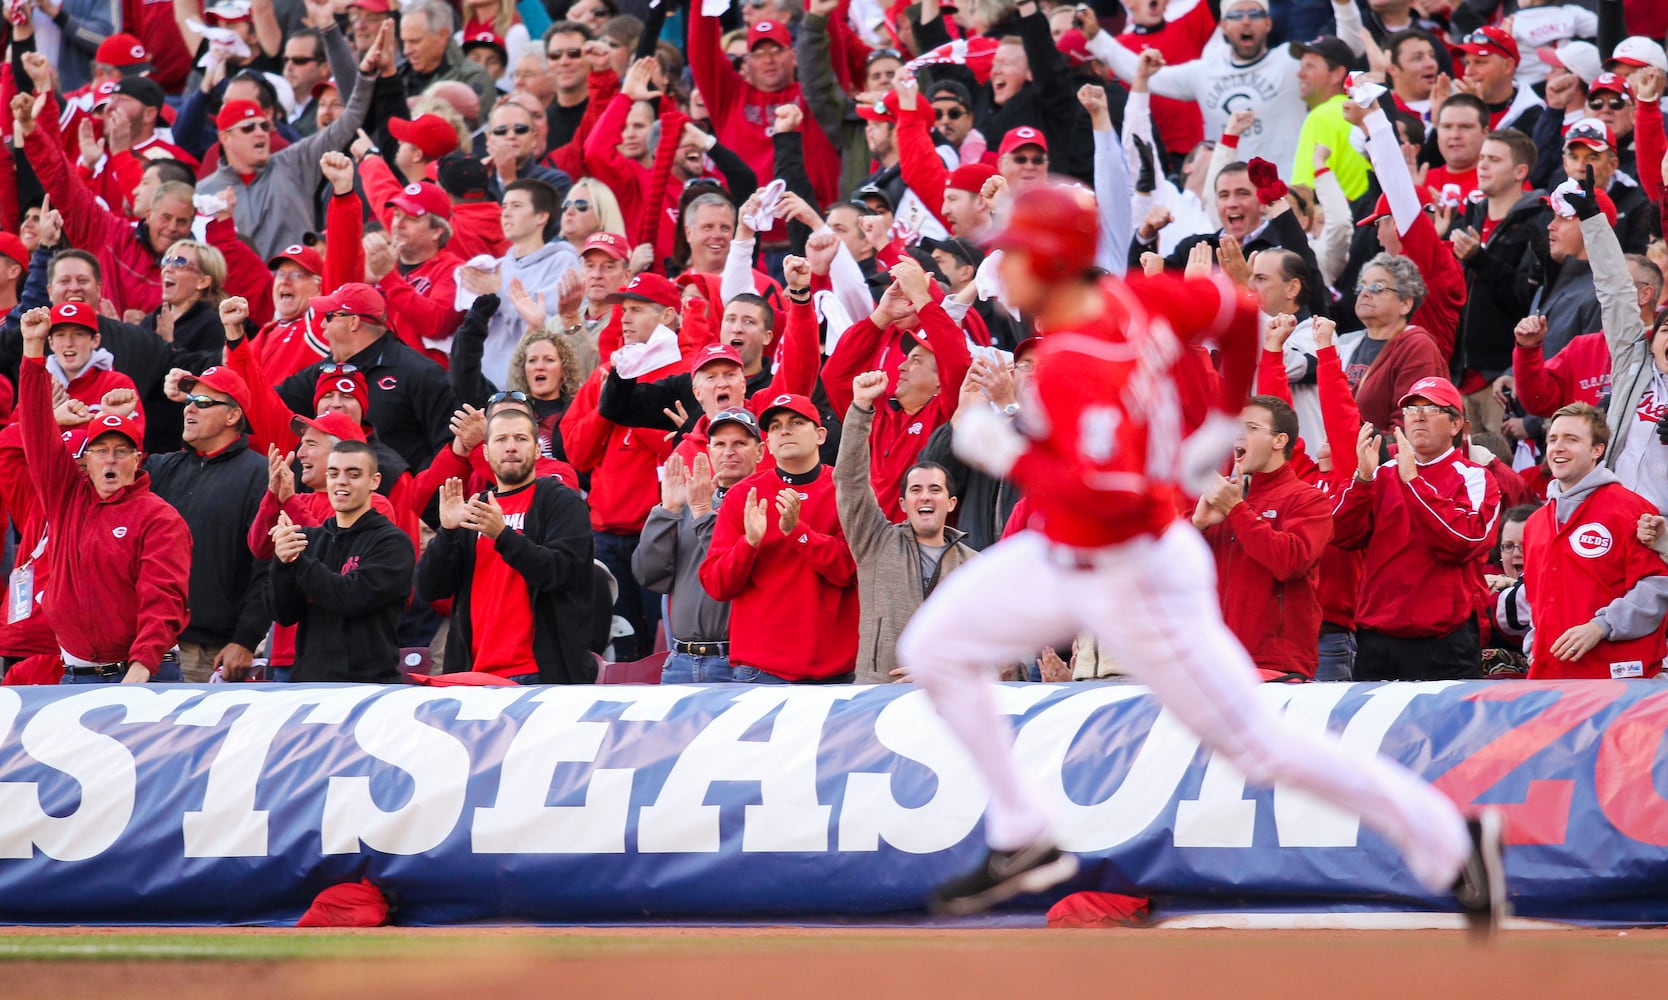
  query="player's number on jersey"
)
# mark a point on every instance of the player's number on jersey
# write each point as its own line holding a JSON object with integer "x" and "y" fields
{"x": 1097, "y": 433}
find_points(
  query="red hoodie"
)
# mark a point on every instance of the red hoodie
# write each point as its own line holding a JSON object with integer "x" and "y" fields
{"x": 1578, "y": 373}
{"x": 118, "y": 592}
{"x": 793, "y": 599}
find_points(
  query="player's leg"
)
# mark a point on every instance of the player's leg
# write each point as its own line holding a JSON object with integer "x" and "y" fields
{"x": 1001, "y": 608}
{"x": 1171, "y": 636}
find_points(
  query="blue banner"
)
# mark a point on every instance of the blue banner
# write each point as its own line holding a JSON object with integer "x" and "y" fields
{"x": 238, "y": 803}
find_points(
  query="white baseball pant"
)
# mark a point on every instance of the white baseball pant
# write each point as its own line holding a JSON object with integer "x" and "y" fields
{"x": 1153, "y": 604}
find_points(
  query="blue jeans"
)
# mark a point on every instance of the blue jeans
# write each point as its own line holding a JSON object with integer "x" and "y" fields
{"x": 1337, "y": 657}
{"x": 753, "y": 675}
{"x": 167, "y": 672}
{"x": 687, "y": 668}
{"x": 636, "y": 604}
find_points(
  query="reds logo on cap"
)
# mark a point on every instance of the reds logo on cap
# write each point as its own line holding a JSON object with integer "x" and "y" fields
{"x": 1026, "y": 132}
{"x": 781, "y": 400}
{"x": 137, "y": 52}
{"x": 414, "y": 188}
{"x": 70, "y": 310}
{"x": 343, "y": 385}
{"x": 763, "y": 26}
{"x": 111, "y": 420}
{"x": 294, "y": 248}
{"x": 1424, "y": 383}
{"x": 1591, "y": 540}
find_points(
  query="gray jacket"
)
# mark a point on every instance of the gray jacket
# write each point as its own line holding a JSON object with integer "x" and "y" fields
{"x": 541, "y": 273}
{"x": 1636, "y": 613}
{"x": 1631, "y": 364}
{"x": 1568, "y": 305}
{"x": 276, "y": 210}
{"x": 668, "y": 561}
{"x": 887, "y": 555}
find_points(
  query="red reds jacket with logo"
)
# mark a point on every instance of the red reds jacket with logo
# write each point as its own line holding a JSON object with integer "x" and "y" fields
{"x": 1424, "y": 541}
{"x": 1580, "y": 570}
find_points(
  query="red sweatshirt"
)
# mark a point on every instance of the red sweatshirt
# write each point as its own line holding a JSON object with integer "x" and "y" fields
{"x": 793, "y": 599}
{"x": 624, "y": 462}
{"x": 153, "y": 21}
{"x": 1439, "y": 313}
{"x": 32, "y": 635}
{"x": 1578, "y": 373}
{"x": 1268, "y": 554}
{"x": 1573, "y": 570}
{"x": 1425, "y": 542}
{"x": 118, "y": 589}
{"x": 421, "y": 305}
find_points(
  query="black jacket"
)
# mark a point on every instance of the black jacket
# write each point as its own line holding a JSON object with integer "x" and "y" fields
{"x": 411, "y": 401}
{"x": 985, "y": 502}
{"x": 198, "y": 329}
{"x": 1497, "y": 283}
{"x": 349, "y": 617}
{"x": 554, "y": 553}
{"x": 631, "y": 403}
{"x": 218, "y": 496}
{"x": 1283, "y": 231}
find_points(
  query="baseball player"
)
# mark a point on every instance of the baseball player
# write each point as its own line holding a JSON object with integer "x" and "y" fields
{"x": 1100, "y": 451}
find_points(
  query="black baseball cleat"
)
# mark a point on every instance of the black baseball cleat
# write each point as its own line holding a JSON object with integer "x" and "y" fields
{"x": 1481, "y": 886}
{"x": 1001, "y": 876}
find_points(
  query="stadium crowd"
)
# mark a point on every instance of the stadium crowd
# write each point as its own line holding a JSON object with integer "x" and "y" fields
{"x": 530, "y": 335}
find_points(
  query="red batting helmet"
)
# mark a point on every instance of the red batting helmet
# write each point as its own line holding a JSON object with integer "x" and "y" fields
{"x": 1057, "y": 226}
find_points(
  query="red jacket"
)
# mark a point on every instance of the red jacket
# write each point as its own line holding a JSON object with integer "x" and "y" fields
{"x": 478, "y": 228}
{"x": 154, "y": 23}
{"x": 32, "y": 635}
{"x": 118, "y": 589}
{"x": 1268, "y": 555}
{"x": 624, "y": 462}
{"x": 1573, "y": 570}
{"x": 422, "y": 305}
{"x": 793, "y": 599}
{"x": 1425, "y": 542}
{"x": 116, "y": 178}
{"x": 1578, "y": 373}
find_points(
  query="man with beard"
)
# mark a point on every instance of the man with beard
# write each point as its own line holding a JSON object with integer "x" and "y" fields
{"x": 898, "y": 565}
{"x": 517, "y": 561}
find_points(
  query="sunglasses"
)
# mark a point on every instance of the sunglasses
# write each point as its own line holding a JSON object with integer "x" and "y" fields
{"x": 953, "y": 114}
{"x": 250, "y": 128}
{"x": 1478, "y": 38}
{"x": 1372, "y": 289}
{"x": 1423, "y": 410}
{"x": 1029, "y": 159}
{"x": 520, "y": 128}
{"x": 513, "y": 395}
{"x": 179, "y": 263}
{"x": 338, "y": 369}
{"x": 1246, "y": 15}
{"x": 1614, "y": 104}
{"x": 577, "y": 204}
{"x": 341, "y": 314}
{"x": 302, "y": 60}
{"x": 564, "y": 53}
{"x": 885, "y": 54}
{"x": 206, "y": 402}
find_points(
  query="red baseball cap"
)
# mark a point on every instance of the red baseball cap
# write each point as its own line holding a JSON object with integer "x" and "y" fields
{"x": 769, "y": 31}
{"x": 485, "y": 36}
{"x": 793, "y": 402}
{"x": 12, "y": 246}
{"x": 1024, "y": 135}
{"x": 324, "y": 85}
{"x": 122, "y": 49}
{"x": 234, "y": 113}
{"x": 130, "y": 427}
{"x": 423, "y": 198}
{"x": 714, "y": 352}
{"x": 1056, "y": 225}
{"x": 353, "y": 383}
{"x": 971, "y": 177}
{"x": 227, "y": 11}
{"x": 308, "y": 258}
{"x": 75, "y": 314}
{"x": 1381, "y": 210}
{"x": 612, "y": 244}
{"x": 429, "y": 133}
{"x": 1436, "y": 389}
{"x": 1613, "y": 82}
{"x": 353, "y": 298}
{"x": 102, "y": 92}
{"x": 335, "y": 423}
{"x": 221, "y": 379}
{"x": 1592, "y": 133}
{"x": 648, "y": 287}
{"x": 1026, "y": 346}
{"x": 1490, "y": 41}
{"x": 374, "y": 6}
{"x": 1075, "y": 46}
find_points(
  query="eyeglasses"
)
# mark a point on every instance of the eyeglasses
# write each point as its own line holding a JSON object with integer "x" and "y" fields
{"x": 290, "y": 274}
{"x": 341, "y": 314}
{"x": 954, "y": 114}
{"x": 513, "y": 395}
{"x": 577, "y": 204}
{"x": 1423, "y": 410}
{"x": 338, "y": 369}
{"x": 207, "y": 402}
{"x": 1374, "y": 288}
{"x": 564, "y": 53}
{"x": 757, "y": 4}
{"x": 1029, "y": 364}
{"x": 520, "y": 128}
{"x": 1038, "y": 159}
{"x": 1246, "y": 15}
{"x": 1599, "y": 103}
{"x": 179, "y": 263}
{"x": 302, "y": 60}
{"x": 119, "y": 452}
{"x": 1511, "y": 547}
{"x": 250, "y": 128}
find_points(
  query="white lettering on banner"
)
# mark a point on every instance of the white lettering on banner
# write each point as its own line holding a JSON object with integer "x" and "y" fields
{"x": 519, "y": 822}
{"x": 100, "y": 764}
{"x": 437, "y": 761}
{"x": 869, "y": 810}
{"x": 1164, "y": 757}
{"x": 789, "y": 818}
{"x": 1222, "y": 816}
{"x": 228, "y": 825}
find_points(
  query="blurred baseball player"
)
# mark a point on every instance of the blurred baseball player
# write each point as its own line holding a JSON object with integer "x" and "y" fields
{"x": 1103, "y": 446}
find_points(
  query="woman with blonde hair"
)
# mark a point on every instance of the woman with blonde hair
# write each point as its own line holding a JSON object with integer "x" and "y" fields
{"x": 544, "y": 368}
{"x": 591, "y": 208}
{"x": 193, "y": 283}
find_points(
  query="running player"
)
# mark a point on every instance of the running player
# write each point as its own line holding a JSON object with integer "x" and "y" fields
{"x": 1100, "y": 453}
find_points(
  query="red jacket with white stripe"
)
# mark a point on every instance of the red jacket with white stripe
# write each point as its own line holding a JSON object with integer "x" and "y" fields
{"x": 1578, "y": 373}
{"x": 1424, "y": 542}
